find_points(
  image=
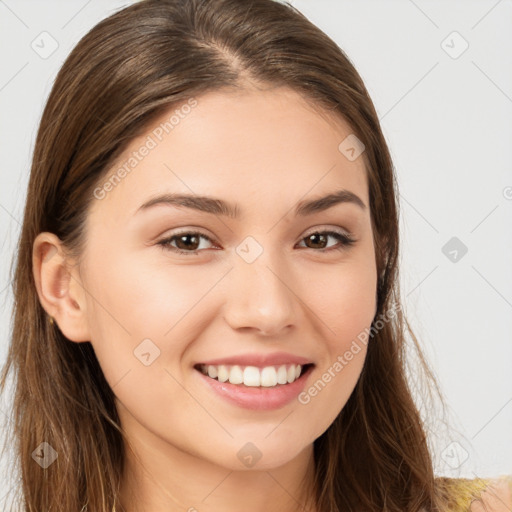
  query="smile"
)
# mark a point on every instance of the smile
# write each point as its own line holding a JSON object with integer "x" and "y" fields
{"x": 257, "y": 388}
{"x": 253, "y": 376}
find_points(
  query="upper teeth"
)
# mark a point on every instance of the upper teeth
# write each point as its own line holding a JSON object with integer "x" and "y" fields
{"x": 252, "y": 375}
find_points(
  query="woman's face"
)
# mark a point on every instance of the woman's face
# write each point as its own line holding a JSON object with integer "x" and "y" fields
{"x": 268, "y": 287}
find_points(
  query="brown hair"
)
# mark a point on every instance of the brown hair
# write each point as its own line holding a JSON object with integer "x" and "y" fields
{"x": 126, "y": 71}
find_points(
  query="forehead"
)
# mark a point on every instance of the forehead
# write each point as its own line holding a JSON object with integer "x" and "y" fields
{"x": 258, "y": 149}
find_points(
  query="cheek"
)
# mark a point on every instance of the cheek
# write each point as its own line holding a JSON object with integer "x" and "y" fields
{"x": 142, "y": 299}
{"x": 345, "y": 303}
{"x": 344, "y": 299}
{"x": 352, "y": 309}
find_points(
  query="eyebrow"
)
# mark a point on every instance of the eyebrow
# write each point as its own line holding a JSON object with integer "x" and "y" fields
{"x": 220, "y": 207}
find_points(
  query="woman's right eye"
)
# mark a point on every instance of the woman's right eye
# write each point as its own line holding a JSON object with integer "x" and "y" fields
{"x": 187, "y": 239}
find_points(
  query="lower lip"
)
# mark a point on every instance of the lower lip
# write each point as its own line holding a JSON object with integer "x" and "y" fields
{"x": 258, "y": 398}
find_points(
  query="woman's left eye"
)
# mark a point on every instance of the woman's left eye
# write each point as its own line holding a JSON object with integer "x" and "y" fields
{"x": 344, "y": 240}
{"x": 190, "y": 241}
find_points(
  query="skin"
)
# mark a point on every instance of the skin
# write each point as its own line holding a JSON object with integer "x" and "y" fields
{"x": 497, "y": 497}
{"x": 264, "y": 150}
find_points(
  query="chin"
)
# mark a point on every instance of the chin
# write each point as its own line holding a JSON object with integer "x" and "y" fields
{"x": 263, "y": 454}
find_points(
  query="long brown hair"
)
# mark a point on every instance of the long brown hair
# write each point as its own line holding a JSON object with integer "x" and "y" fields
{"x": 126, "y": 71}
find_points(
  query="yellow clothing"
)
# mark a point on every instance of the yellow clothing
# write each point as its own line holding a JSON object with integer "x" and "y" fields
{"x": 477, "y": 495}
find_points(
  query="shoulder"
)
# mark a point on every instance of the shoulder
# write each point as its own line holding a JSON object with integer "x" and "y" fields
{"x": 496, "y": 497}
{"x": 476, "y": 495}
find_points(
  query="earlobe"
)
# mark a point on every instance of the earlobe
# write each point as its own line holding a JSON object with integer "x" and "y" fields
{"x": 59, "y": 287}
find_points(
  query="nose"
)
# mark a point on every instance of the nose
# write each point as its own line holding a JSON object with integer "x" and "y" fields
{"x": 260, "y": 296}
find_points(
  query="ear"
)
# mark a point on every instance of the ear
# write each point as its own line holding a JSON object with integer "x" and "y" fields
{"x": 59, "y": 287}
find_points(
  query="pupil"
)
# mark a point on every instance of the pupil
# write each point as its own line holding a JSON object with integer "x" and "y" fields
{"x": 317, "y": 236}
{"x": 184, "y": 237}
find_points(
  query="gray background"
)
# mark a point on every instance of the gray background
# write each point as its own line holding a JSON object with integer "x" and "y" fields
{"x": 446, "y": 113}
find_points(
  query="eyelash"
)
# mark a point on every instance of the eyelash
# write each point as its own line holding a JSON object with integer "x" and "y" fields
{"x": 345, "y": 240}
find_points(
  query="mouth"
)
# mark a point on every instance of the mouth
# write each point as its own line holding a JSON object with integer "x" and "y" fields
{"x": 272, "y": 376}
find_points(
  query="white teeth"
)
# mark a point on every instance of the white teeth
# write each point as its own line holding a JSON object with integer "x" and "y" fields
{"x": 268, "y": 376}
{"x": 235, "y": 375}
{"x": 252, "y": 376}
{"x": 282, "y": 375}
{"x": 222, "y": 373}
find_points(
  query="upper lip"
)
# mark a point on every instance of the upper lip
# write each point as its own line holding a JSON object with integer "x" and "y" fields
{"x": 260, "y": 360}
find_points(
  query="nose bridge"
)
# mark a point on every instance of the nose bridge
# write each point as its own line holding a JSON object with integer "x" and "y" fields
{"x": 259, "y": 295}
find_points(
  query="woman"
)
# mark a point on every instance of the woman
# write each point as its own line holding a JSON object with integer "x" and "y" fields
{"x": 206, "y": 298}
